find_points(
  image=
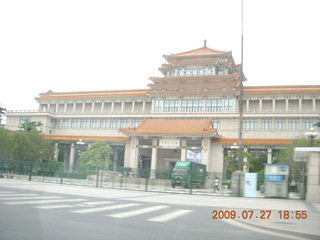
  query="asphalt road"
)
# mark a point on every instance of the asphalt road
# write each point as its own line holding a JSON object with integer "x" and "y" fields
{"x": 87, "y": 213}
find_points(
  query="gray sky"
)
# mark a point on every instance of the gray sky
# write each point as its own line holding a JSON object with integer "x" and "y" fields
{"x": 82, "y": 45}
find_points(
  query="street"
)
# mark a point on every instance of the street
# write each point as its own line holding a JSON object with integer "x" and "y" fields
{"x": 40, "y": 211}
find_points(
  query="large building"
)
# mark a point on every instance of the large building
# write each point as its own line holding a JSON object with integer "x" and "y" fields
{"x": 191, "y": 112}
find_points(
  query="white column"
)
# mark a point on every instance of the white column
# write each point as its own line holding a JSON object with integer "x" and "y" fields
{"x": 102, "y": 106}
{"x": 300, "y": 105}
{"x": 122, "y": 106}
{"x": 260, "y": 105}
{"x": 83, "y": 106}
{"x": 314, "y": 105}
{"x": 154, "y": 157}
{"x": 248, "y": 105}
{"x": 92, "y": 107}
{"x": 144, "y": 106}
{"x": 287, "y": 105}
{"x": 273, "y": 105}
{"x": 133, "y": 105}
{"x": 56, "y": 151}
{"x": 74, "y": 107}
{"x": 183, "y": 149}
{"x": 112, "y": 106}
{"x": 65, "y": 107}
{"x": 71, "y": 162}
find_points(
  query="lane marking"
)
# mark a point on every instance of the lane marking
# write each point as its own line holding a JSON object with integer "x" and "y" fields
{"x": 26, "y": 198}
{"x": 137, "y": 212}
{"x": 100, "y": 209}
{"x": 170, "y": 216}
{"x": 43, "y": 201}
{"x": 55, "y": 206}
{"x": 17, "y": 195}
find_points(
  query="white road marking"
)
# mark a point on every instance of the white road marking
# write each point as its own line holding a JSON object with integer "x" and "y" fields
{"x": 43, "y": 201}
{"x": 137, "y": 212}
{"x": 55, "y": 206}
{"x": 94, "y": 203}
{"x": 17, "y": 195}
{"x": 26, "y": 198}
{"x": 90, "y": 210}
{"x": 170, "y": 216}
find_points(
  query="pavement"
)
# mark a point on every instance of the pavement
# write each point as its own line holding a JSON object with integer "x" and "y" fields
{"x": 266, "y": 212}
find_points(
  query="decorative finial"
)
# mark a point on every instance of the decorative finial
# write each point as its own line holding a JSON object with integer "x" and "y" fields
{"x": 205, "y": 43}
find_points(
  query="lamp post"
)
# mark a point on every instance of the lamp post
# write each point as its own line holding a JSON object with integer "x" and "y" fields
{"x": 312, "y": 134}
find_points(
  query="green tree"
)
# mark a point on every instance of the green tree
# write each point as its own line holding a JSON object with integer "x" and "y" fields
{"x": 99, "y": 154}
{"x": 317, "y": 124}
{"x": 31, "y": 146}
{"x": 232, "y": 159}
{"x": 2, "y": 111}
{"x": 29, "y": 125}
{"x": 5, "y": 144}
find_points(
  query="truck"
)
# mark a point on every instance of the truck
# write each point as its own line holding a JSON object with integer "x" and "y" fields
{"x": 188, "y": 174}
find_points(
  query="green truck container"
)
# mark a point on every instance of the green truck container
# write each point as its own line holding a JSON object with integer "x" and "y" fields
{"x": 188, "y": 174}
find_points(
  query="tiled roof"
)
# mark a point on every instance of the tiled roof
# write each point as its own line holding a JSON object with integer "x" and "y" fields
{"x": 197, "y": 52}
{"x": 93, "y": 94}
{"x": 87, "y": 138}
{"x": 252, "y": 141}
{"x": 172, "y": 127}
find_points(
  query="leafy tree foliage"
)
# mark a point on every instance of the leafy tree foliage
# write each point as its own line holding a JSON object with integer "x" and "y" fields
{"x": 232, "y": 159}
{"x": 5, "y": 143}
{"x": 28, "y": 126}
{"x": 99, "y": 154}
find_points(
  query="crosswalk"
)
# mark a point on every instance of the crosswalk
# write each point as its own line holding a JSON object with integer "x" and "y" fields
{"x": 155, "y": 213}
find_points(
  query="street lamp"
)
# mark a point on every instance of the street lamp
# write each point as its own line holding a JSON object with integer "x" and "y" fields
{"x": 311, "y": 135}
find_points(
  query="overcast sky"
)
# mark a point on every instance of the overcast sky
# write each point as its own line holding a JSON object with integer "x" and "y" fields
{"x": 82, "y": 45}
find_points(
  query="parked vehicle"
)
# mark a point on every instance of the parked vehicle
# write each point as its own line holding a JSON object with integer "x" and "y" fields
{"x": 188, "y": 174}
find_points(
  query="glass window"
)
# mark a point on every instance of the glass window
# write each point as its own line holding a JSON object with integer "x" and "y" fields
{"x": 93, "y": 123}
{"x": 280, "y": 124}
{"x": 113, "y": 123}
{"x": 228, "y": 104}
{"x": 124, "y": 123}
{"x": 293, "y": 124}
{"x": 266, "y": 124}
{"x": 214, "y": 105}
{"x": 74, "y": 123}
{"x": 103, "y": 123}
{"x": 158, "y": 106}
{"x": 136, "y": 122}
{"x": 249, "y": 124}
{"x": 24, "y": 119}
{"x": 307, "y": 124}
{"x": 83, "y": 123}
{"x": 192, "y": 105}
{"x": 65, "y": 123}
{"x": 216, "y": 123}
{"x": 171, "y": 106}
{"x": 56, "y": 123}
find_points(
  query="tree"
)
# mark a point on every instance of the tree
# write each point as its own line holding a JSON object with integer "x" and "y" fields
{"x": 99, "y": 154}
{"x": 317, "y": 124}
{"x": 5, "y": 143}
{"x": 28, "y": 125}
{"x": 232, "y": 159}
{"x": 2, "y": 111}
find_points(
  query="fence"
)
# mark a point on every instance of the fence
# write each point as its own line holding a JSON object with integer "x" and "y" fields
{"x": 118, "y": 178}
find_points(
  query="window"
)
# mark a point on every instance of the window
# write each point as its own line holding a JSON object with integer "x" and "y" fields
{"x": 114, "y": 123}
{"x": 136, "y": 122}
{"x": 249, "y": 124}
{"x": 65, "y": 123}
{"x": 103, "y": 123}
{"x": 228, "y": 104}
{"x": 171, "y": 106}
{"x": 210, "y": 71}
{"x": 221, "y": 71}
{"x": 214, "y": 105}
{"x": 158, "y": 106}
{"x": 280, "y": 124}
{"x": 266, "y": 124}
{"x": 93, "y": 123}
{"x": 192, "y": 105}
{"x": 56, "y": 123}
{"x": 124, "y": 123}
{"x": 216, "y": 123}
{"x": 307, "y": 124}
{"x": 74, "y": 123}
{"x": 293, "y": 124}
{"x": 83, "y": 123}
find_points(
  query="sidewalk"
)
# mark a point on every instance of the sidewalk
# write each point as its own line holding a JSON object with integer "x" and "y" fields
{"x": 308, "y": 228}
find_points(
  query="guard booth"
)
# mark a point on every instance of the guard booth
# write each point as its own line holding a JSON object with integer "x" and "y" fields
{"x": 276, "y": 180}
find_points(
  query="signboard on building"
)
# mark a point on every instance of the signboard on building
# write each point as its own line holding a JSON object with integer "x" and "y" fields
{"x": 194, "y": 156}
{"x": 169, "y": 143}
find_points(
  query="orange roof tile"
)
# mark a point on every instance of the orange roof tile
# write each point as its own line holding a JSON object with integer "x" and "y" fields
{"x": 264, "y": 141}
{"x": 176, "y": 127}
